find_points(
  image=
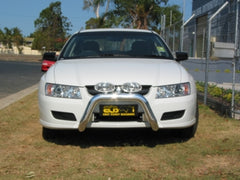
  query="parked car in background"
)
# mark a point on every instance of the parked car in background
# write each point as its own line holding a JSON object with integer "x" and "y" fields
{"x": 49, "y": 58}
{"x": 118, "y": 78}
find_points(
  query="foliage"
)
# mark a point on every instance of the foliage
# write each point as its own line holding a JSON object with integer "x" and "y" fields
{"x": 94, "y": 23}
{"x": 95, "y": 4}
{"x": 223, "y": 94}
{"x": 99, "y": 21}
{"x": 200, "y": 86}
{"x": 51, "y": 28}
{"x": 7, "y": 37}
{"x": 10, "y": 37}
{"x": 17, "y": 38}
{"x": 140, "y": 14}
{"x": 227, "y": 71}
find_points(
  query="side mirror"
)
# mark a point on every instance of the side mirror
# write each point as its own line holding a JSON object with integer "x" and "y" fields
{"x": 51, "y": 56}
{"x": 181, "y": 56}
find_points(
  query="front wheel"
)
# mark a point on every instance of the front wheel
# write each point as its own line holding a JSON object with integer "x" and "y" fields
{"x": 49, "y": 133}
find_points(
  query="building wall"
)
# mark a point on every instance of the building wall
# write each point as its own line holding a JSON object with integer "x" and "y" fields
{"x": 200, "y": 7}
{"x": 26, "y": 50}
{"x": 222, "y": 26}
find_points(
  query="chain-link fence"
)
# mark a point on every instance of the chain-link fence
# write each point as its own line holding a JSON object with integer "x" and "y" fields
{"x": 212, "y": 38}
{"x": 171, "y": 34}
{"x": 195, "y": 32}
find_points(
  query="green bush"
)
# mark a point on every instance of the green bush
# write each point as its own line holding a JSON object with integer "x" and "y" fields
{"x": 215, "y": 91}
{"x": 224, "y": 94}
{"x": 200, "y": 87}
{"x": 227, "y": 71}
{"x": 228, "y": 97}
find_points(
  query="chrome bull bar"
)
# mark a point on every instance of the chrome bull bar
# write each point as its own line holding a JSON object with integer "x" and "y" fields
{"x": 88, "y": 115}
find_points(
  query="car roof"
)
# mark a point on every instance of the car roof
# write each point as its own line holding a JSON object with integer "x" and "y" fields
{"x": 115, "y": 30}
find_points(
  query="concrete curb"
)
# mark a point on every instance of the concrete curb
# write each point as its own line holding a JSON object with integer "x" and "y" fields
{"x": 4, "y": 102}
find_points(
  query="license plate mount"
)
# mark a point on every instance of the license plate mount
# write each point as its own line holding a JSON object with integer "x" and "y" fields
{"x": 118, "y": 110}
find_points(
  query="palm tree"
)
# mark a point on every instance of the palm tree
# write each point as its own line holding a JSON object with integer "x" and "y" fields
{"x": 7, "y": 40}
{"x": 138, "y": 14}
{"x": 17, "y": 39}
{"x": 95, "y": 4}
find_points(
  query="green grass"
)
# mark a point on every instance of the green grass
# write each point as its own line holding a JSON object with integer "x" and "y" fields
{"x": 214, "y": 152}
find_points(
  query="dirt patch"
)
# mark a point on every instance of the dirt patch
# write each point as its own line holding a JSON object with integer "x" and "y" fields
{"x": 217, "y": 165}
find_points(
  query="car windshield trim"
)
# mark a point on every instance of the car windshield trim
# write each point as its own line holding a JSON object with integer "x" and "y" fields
{"x": 115, "y": 44}
{"x": 117, "y": 56}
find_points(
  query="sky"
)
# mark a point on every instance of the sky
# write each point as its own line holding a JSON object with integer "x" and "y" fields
{"x": 23, "y": 13}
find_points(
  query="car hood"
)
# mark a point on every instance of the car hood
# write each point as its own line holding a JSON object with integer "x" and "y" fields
{"x": 82, "y": 72}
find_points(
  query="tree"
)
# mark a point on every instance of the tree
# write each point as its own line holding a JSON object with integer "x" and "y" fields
{"x": 17, "y": 39}
{"x": 10, "y": 37}
{"x": 140, "y": 14}
{"x": 99, "y": 21}
{"x": 94, "y": 23}
{"x": 172, "y": 14}
{"x": 7, "y": 38}
{"x": 95, "y": 4}
{"x": 51, "y": 28}
{"x": 1, "y": 35}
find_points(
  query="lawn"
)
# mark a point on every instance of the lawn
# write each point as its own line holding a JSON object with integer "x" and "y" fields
{"x": 214, "y": 152}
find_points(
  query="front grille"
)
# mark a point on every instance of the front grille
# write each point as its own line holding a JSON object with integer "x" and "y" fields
{"x": 172, "y": 115}
{"x": 64, "y": 116}
{"x": 144, "y": 91}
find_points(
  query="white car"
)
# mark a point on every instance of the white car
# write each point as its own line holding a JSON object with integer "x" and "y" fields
{"x": 118, "y": 78}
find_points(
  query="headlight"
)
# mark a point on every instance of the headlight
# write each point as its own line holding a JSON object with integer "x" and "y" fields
{"x": 62, "y": 91}
{"x": 131, "y": 87}
{"x": 174, "y": 90}
{"x": 104, "y": 87}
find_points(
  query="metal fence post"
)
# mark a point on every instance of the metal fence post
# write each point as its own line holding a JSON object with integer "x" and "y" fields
{"x": 182, "y": 31}
{"x": 234, "y": 63}
{"x": 207, "y": 61}
{"x": 208, "y": 49}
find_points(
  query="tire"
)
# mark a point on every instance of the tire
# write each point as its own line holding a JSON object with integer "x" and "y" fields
{"x": 49, "y": 133}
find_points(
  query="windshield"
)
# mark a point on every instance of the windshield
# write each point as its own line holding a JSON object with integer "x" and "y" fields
{"x": 115, "y": 44}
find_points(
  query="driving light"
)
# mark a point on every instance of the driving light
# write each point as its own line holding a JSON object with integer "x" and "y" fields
{"x": 104, "y": 87}
{"x": 131, "y": 87}
{"x": 175, "y": 90}
{"x": 62, "y": 91}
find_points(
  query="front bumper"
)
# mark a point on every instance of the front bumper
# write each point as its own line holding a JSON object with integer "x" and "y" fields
{"x": 106, "y": 98}
{"x": 156, "y": 113}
